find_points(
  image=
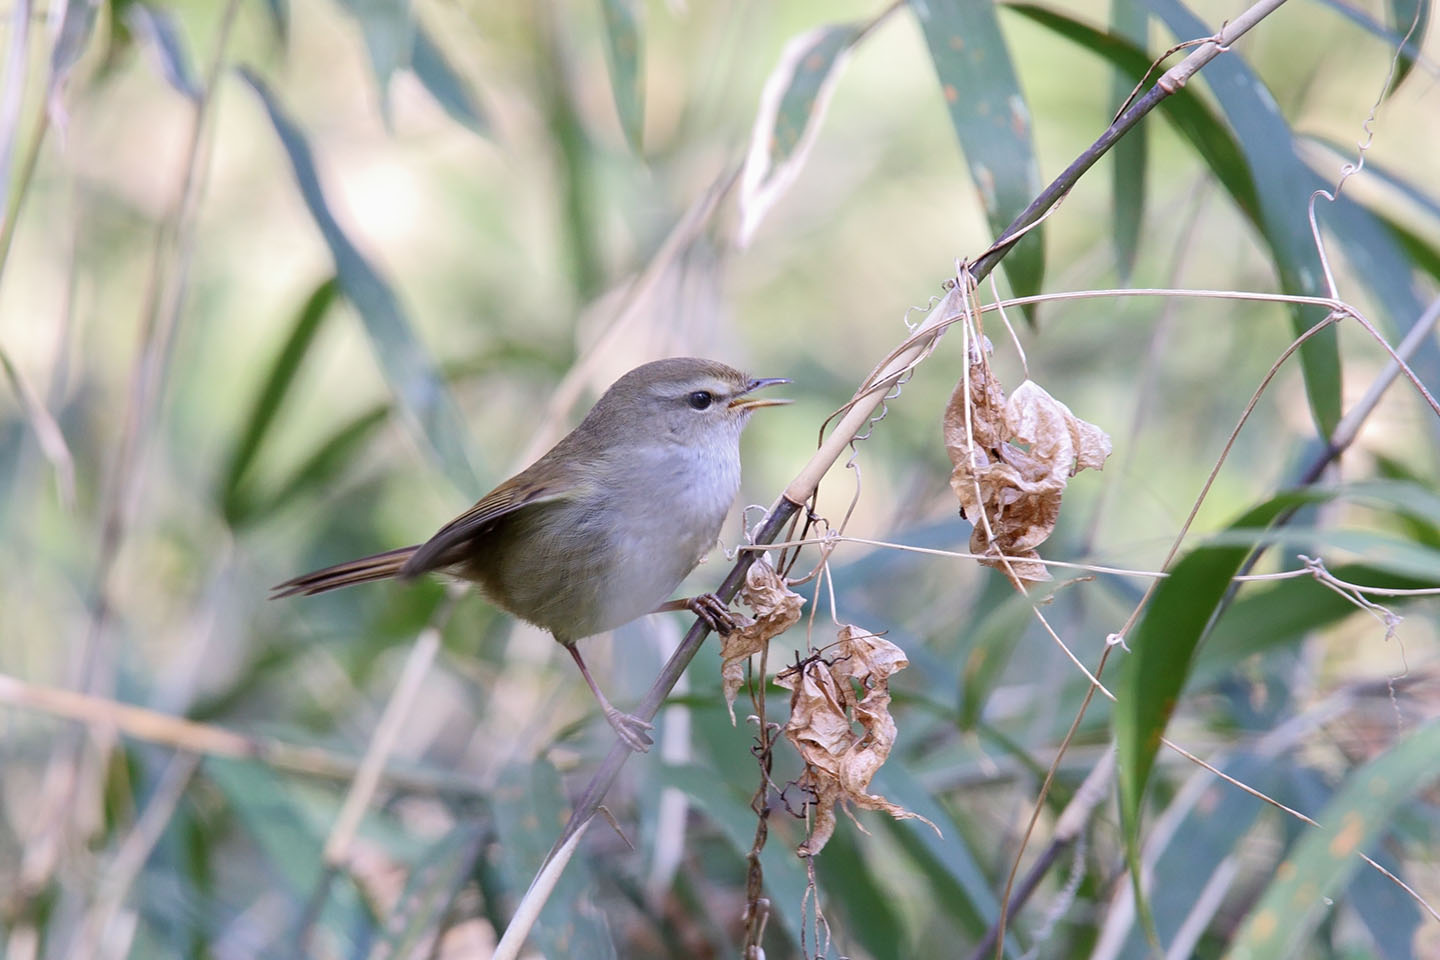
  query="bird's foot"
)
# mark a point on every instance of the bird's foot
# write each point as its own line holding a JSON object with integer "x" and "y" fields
{"x": 714, "y": 611}
{"x": 632, "y": 731}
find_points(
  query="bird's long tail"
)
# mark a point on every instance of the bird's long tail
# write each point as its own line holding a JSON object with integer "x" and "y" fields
{"x": 381, "y": 566}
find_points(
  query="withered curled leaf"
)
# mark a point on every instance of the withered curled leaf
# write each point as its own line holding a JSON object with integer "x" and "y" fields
{"x": 776, "y": 608}
{"x": 1012, "y": 462}
{"x": 829, "y": 697}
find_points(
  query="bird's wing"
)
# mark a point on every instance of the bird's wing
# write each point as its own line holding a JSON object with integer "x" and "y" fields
{"x": 514, "y": 494}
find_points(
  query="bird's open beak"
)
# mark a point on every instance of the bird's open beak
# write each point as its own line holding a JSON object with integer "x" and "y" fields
{"x": 745, "y": 401}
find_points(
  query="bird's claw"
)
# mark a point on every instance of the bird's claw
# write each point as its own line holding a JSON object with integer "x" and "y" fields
{"x": 632, "y": 731}
{"x": 714, "y": 611}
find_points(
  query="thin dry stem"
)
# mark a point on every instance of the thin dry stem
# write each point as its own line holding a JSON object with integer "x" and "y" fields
{"x": 188, "y": 735}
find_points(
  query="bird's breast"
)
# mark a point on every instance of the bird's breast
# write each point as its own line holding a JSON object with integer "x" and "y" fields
{"x": 590, "y": 563}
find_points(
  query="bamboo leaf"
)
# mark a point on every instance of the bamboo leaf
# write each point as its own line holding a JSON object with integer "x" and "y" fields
{"x": 160, "y": 36}
{"x": 1402, "y": 13}
{"x": 1283, "y": 613}
{"x": 1387, "y": 911}
{"x": 624, "y": 50}
{"x": 994, "y": 640}
{"x": 1410, "y": 19}
{"x": 329, "y": 459}
{"x": 1390, "y": 554}
{"x": 969, "y": 895}
{"x": 1209, "y": 835}
{"x": 991, "y": 120}
{"x": 796, "y": 96}
{"x": 530, "y": 808}
{"x": 389, "y": 32}
{"x": 846, "y": 878}
{"x": 273, "y": 392}
{"x": 1284, "y": 186}
{"x": 1413, "y": 194}
{"x": 1162, "y": 652}
{"x": 420, "y": 914}
{"x": 424, "y": 401}
{"x": 1128, "y": 19}
{"x": 729, "y": 810}
{"x": 1323, "y": 859}
{"x": 278, "y": 12}
{"x": 448, "y": 88}
{"x": 290, "y": 832}
{"x": 1185, "y": 110}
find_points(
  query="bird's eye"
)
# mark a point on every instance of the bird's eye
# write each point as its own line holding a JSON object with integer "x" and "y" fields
{"x": 700, "y": 399}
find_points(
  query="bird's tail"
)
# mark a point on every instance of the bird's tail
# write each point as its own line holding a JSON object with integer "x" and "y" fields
{"x": 381, "y": 566}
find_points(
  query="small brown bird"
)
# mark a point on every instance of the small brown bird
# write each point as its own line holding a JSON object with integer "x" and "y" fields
{"x": 603, "y": 527}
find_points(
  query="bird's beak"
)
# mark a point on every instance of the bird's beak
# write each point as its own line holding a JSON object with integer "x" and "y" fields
{"x": 744, "y": 401}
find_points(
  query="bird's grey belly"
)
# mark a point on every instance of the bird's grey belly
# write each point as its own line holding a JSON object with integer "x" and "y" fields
{"x": 576, "y": 570}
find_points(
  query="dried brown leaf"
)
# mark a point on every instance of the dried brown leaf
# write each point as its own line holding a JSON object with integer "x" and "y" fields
{"x": 776, "y": 608}
{"x": 1014, "y": 473}
{"x": 829, "y": 698}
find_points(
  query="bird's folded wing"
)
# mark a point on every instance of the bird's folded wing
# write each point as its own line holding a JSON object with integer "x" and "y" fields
{"x": 448, "y": 545}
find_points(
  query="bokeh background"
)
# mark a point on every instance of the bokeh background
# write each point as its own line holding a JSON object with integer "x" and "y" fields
{"x": 197, "y": 409}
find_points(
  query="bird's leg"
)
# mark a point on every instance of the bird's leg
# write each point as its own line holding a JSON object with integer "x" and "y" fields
{"x": 707, "y": 607}
{"x": 630, "y": 728}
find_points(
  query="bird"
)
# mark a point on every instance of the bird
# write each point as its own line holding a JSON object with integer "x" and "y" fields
{"x": 602, "y": 528}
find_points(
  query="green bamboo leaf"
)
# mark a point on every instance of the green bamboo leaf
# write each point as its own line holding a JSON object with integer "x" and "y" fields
{"x": 1185, "y": 110}
{"x": 847, "y": 880}
{"x": 1162, "y": 651}
{"x": 1418, "y": 198}
{"x": 448, "y": 88}
{"x": 160, "y": 35}
{"x": 330, "y": 459}
{"x": 1128, "y": 19}
{"x": 389, "y": 32}
{"x": 425, "y": 402}
{"x": 1408, "y": 18}
{"x": 729, "y": 809}
{"x": 1391, "y": 554}
{"x": 969, "y": 894}
{"x": 624, "y": 51}
{"x": 1284, "y": 185}
{"x": 1321, "y": 862}
{"x": 290, "y": 832}
{"x": 531, "y": 807}
{"x": 1387, "y": 911}
{"x": 1401, "y": 14}
{"x": 1411, "y": 497}
{"x": 1418, "y": 250}
{"x": 991, "y": 120}
{"x": 273, "y": 392}
{"x": 994, "y": 639}
{"x": 1384, "y": 254}
{"x": 430, "y": 890}
{"x": 278, "y": 13}
{"x": 1380, "y": 251}
{"x": 1281, "y": 614}
{"x": 1210, "y": 834}
{"x": 1420, "y": 528}
{"x": 796, "y": 96}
